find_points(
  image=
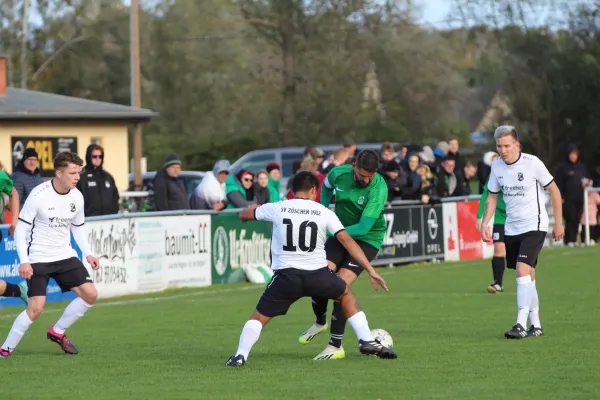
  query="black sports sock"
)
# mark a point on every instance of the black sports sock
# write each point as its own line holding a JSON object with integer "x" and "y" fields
{"x": 338, "y": 325}
{"x": 498, "y": 269}
{"x": 320, "y": 309}
{"x": 12, "y": 290}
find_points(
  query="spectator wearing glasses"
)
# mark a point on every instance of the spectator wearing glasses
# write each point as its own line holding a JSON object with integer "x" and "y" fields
{"x": 240, "y": 189}
{"x": 97, "y": 186}
{"x": 27, "y": 175}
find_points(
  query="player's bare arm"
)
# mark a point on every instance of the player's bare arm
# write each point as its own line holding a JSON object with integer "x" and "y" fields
{"x": 488, "y": 212}
{"x": 248, "y": 213}
{"x": 356, "y": 253}
{"x": 558, "y": 232}
{"x": 14, "y": 209}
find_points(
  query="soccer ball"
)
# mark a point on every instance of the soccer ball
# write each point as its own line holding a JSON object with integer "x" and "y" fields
{"x": 383, "y": 337}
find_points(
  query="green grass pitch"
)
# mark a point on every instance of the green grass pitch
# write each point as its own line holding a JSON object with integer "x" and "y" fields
{"x": 448, "y": 332}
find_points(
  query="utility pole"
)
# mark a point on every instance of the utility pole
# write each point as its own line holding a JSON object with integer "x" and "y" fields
{"x": 136, "y": 96}
{"x": 24, "y": 36}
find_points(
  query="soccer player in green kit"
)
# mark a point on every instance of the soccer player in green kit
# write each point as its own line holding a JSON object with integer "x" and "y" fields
{"x": 498, "y": 263}
{"x": 360, "y": 197}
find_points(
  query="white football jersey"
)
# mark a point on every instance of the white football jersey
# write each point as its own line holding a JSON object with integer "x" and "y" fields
{"x": 299, "y": 232}
{"x": 50, "y": 216}
{"x": 522, "y": 184}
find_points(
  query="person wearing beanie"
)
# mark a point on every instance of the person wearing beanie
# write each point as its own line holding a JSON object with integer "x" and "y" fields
{"x": 274, "y": 171}
{"x": 27, "y": 175}
{"x": 97, "y": 185}
{"x": 169, "y": 190}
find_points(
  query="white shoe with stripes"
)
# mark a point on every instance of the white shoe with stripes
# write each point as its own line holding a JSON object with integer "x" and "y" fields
{"x": 331, "y": 353}
{"x": 311, "y": 333}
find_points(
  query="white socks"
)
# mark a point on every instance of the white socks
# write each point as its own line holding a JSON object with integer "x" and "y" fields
{"x": 523, "y": 285}
{"x": 361, "y": 326}
{"x": 75, "y": 310}
{"x": 249, "y": 336}
{"x": 17, "y": 331}
{"x": 534, "y": 306}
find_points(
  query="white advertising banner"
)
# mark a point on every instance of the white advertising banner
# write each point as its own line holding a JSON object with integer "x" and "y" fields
{"x": 114, "y": 243}
{"x": 186, "y": 248}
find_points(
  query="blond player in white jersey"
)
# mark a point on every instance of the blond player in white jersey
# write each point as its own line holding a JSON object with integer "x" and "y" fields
{"x": 299, "y": 263}
{"x": 522, "y": 178}
{"x": 52, "y": 211}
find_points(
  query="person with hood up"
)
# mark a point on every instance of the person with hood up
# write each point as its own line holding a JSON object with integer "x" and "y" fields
{"x": 570, "y": 178}
{"x": 240, "y": 189}
{"x": 274, "y": 171}
{"x": 169, "y": 191}
{"x": 27, "y": 175}
{"x": 100, "y": 194}
{"x": 210, "y": 193}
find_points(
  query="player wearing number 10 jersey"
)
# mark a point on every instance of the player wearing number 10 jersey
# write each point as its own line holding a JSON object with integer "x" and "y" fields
{"x": 360, "y": 196}
{"x": 300, "y": 229}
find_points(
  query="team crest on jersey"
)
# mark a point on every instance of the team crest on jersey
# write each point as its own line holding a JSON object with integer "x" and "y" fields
{"x": 361, "y": 200}
{"x": 72, "y": 207}
{"x": 107, "y": 184}
{"x": 520, "y": 176}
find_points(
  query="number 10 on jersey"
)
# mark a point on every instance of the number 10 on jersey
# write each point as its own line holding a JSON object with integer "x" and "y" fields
{"x": 301, "y": 235}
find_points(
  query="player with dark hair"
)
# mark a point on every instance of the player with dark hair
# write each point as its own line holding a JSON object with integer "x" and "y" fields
{"x": 52, "y": 211}
{"x": 522, "y": 178}
{"x": 300, "y": 229}
{"x": 360, "y": 197}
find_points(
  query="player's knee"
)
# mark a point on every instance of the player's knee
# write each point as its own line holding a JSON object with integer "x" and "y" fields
{"x": 90, "y": 294}
{"x": 34, "y": 310}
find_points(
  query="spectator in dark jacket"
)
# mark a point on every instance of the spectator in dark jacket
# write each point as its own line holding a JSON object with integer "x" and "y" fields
{"x": 395, "y": 179}
{"x": 569, "y": 179}
{"x": 449, "y": 184}
{"x": 169, "y": 191}
{"x": 27, "y": 175}
{"x": 412, "y": 189}
{"x": 261, "y": 188}
{"x": 453, "y": 148}
{"x": 97, "y": 186}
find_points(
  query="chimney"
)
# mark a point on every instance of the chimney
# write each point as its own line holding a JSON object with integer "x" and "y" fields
{"x": 3, "y": 75}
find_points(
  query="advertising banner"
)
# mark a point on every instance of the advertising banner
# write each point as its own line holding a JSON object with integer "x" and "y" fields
{"x": 187, "y": 250}
{"x": 9, "y": 272}
{"x": 470, "y": 244}
{"x": 413, "y": 233}
{"x": 114, "y": 243}
{"x": 236, "y": 244}
{"x": 451, "y": 251}
{"x": 46, "y": 147}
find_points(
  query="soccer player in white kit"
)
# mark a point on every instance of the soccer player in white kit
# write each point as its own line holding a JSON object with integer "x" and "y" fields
{"x": 299, "y": 263}
{"x": 52, "y": 211}
{"x": 522, "y": 178}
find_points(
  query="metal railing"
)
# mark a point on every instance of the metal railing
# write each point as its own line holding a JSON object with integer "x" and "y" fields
{"x": 586, "y": 212}
{"x": 454, "y": 199}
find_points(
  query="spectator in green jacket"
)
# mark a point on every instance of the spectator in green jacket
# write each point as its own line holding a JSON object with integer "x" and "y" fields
{"x": 239, "y": 189}
{"x": 274, "y": 184}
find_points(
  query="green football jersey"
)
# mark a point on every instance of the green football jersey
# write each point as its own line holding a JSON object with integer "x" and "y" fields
{"x": 6, "y": 184}
{"x": 353, "y": 201}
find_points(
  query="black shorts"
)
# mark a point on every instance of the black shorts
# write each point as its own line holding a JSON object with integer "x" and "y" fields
{"x": 337, "y": 254}
{"x": 524, "y": 248}
{"x": 67, "y": 273}
{"x": 289, "y": 285}
{"x": 498, "y": 233}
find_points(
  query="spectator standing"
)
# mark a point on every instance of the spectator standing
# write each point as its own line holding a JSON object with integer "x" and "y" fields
{"x": 570, "y": 176}
{"x": 339, "y": 157}
{"x": 484, "y": 168}
{"x": 27, "y": 175}
{"x": 210, "y": 193}
{"x": 454, "y": 148}
{"x": 169, "y": 191}
{"x": 449, "y": 184}
{"x": 274, "y": 171}
{"x": 240, "y": 189}
{"x": 427, "y": 183}
{"x": 440, "y": 153}
{"x": 593, "y": 205}
{"x": 100, "y": 194}
{"x": 469, "y": 172}
{"x": 394, "y": 179}
{"x": 261, "y": 188}
{"x": 387, "y": 153}
{"x": 412, "y": 189}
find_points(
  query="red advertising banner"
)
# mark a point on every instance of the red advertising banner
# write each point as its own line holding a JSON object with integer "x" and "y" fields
{"x": 469, "y": 238}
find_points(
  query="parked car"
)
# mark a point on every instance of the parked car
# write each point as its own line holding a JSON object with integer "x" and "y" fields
{"x": 286, "y": 156}
{"x": 191, "y": 180}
